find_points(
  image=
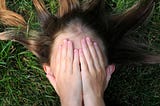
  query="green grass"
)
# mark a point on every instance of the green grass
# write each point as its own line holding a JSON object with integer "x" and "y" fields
{"x": 23, "y": 82}
{"x": 138, "y": 85}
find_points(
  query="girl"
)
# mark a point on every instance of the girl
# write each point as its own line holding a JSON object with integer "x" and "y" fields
{"x": 79, "y": 23}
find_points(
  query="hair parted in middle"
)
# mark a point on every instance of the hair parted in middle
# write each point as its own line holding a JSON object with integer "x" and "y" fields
{"x": 110, "y": 28}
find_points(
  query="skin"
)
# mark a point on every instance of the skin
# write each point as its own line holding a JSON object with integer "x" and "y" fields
{"x": 93, "y": 73}
{"x": 67, "y": 69}
{"x": 87, "y": 81}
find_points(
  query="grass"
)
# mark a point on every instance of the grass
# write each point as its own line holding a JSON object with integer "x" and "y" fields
{"x": 23, "y": 82}
{"x": 138, "y": 85}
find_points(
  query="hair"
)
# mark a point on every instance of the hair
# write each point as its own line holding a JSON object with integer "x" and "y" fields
{"x": 110, "y": 28}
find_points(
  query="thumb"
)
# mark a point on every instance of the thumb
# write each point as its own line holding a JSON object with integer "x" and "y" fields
{"x": 52, "y": 80}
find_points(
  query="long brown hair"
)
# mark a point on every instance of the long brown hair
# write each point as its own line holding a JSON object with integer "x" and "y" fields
{"x": 111, "y": 28}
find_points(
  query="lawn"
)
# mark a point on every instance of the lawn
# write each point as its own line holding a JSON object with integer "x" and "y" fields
{"x": 23, "y": 82}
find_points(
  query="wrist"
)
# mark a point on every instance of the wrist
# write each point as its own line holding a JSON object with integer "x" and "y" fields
{"x": 93, "y": 100}
{"x": 71, "y": 102}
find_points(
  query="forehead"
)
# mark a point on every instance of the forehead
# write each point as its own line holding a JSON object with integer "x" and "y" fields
{"x": 75, "y": 33}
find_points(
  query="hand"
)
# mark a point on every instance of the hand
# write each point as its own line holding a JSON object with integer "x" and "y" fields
{"x": 94, "y": 76}
{"x": 68, "y": 82}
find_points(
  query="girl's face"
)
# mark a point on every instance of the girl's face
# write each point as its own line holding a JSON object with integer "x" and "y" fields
{"x": 75, "y": 33}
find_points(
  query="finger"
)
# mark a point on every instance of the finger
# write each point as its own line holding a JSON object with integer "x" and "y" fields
{"x": 70, "y": 56}
{"x": 63, "y": 56}
{"x": 93, "y": 53}
{"x": 100, "y": 55}
{"x": 76, "y": 61}
{"x": 57, "y": 63}
{"x": 87, "y": 55}
{"x": 83, "y": 63}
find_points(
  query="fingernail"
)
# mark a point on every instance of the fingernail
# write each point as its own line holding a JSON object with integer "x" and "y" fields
{"x": 95, "y": 44}
{"x": 69, "y": 42}
{"x": 75, "y": 50}
{"x": 65, "y": 41}
{"x": 88, "y": 39}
